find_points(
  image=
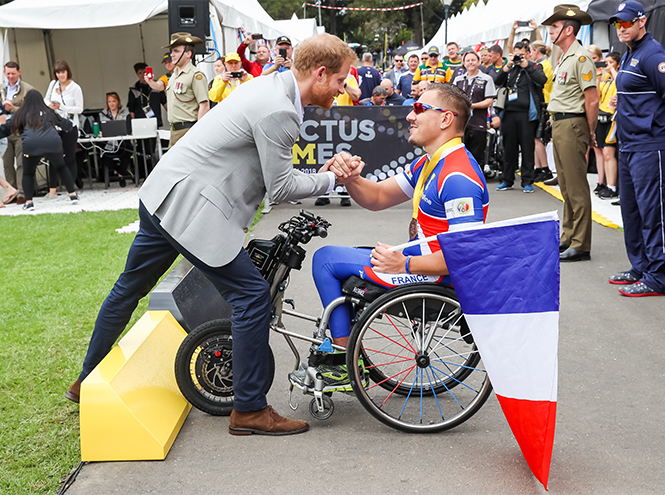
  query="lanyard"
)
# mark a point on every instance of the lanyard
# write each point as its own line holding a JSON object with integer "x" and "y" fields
{"x": 428, "y": 167}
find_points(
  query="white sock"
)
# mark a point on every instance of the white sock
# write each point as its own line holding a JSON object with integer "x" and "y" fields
{"x": 612, "y": 188}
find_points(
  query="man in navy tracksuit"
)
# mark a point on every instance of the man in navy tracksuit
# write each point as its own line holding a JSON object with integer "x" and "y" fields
{"x": 640, "y": 121}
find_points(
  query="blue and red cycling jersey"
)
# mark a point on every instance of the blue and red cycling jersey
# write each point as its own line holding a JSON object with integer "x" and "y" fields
{"x": 455, "y": 193}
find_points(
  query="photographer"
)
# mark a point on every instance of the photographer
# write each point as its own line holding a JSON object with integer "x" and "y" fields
{"x": 284, "y": 58}
{"x": 524, "y": 82}
{"x": 233, "y": 77}
{"x": 540, "y": 54}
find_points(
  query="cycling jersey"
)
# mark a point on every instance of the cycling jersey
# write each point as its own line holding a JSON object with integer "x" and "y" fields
{"x": 455, "y": 193}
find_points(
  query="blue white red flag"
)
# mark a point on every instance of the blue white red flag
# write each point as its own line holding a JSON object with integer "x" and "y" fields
{"x": 506, "y": 276}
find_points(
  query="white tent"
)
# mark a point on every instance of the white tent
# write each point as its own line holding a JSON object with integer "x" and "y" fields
{"x": 492, "y": 22}
{"x": 298, "y": 29}
{"x": 102, "y": 39}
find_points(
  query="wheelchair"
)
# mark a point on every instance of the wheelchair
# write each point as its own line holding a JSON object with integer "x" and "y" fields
{"x": 411, "y": 359}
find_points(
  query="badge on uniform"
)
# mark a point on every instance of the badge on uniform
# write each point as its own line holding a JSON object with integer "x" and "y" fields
{"x": 587, "y": 76}
{"x": 512, "y": 95}
{"x": 199, "y": 77}
{"x": 178, "y": 87}
{"x": 661, "y": 67}
{"x": 633, "y": 62}
{"x": 582, "y": 58}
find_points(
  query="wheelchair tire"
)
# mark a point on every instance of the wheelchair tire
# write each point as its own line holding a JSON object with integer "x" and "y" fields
{"x": 204, "y": 368}
{"x": 426, "y": 378}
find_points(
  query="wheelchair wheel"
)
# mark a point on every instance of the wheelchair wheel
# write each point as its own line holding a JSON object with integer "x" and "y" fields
{"x": 204, "y": 367}
{"x": 426, "y": 371}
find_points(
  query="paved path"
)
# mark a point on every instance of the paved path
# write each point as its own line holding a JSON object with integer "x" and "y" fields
{"x": 609, "y": 435}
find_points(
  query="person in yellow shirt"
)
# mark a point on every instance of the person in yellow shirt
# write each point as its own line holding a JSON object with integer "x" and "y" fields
{"x": 607, "y": 89}
{"x": 434, "y": 70}
{"x": 234, "y": 76}
{"x": 351, "y": 93}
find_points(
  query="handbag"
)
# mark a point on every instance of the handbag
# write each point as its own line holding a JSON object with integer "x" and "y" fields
{"x": 501, "y": 97}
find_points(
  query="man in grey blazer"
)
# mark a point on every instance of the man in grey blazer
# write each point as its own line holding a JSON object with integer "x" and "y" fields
{"x": 200, "y": 201}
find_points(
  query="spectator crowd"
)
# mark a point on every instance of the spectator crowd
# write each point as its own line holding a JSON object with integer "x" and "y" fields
{"x": 522, "y": 100}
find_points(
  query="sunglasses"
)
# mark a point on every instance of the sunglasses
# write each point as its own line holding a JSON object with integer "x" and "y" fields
{"x": 419, "y": 108}
{"x": 626, "y": 24}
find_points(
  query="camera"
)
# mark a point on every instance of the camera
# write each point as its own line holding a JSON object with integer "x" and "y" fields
{"x": 523, "y": 24}
{"x": 601, "y": 64}
{"x": 257, "y": 36}
{"x": 517, "y": 59}
{"x": 282, "y": 53}
{"x": 236, "y": 75}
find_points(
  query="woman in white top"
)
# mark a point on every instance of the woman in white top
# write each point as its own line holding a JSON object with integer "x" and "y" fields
{"x": 66, "y": 98}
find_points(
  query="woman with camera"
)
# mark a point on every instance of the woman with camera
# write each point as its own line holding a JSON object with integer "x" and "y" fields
{"x": 522, "y": 83}
{"x": 38, "y": 126}
{"x": 606, "y": 160}
{"x": 233, "y": 77}
{"x": 65, "y": 97}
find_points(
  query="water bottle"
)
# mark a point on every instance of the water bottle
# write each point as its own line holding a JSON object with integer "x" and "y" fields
{"x": 95, "y": 129}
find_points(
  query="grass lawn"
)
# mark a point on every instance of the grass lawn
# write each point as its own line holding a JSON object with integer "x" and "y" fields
{"x": 56, "y": 270}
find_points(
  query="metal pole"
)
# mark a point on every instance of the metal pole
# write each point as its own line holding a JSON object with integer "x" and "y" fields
{"x": 319, "y": 4}
{"x": 446, "y": 9}
{"x": 422, "y": 25}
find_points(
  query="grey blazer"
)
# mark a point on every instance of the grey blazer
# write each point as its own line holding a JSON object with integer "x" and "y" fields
{"x": 207, "y": 188}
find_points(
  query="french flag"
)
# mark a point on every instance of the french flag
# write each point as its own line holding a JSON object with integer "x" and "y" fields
{"x": 506, "y": 276}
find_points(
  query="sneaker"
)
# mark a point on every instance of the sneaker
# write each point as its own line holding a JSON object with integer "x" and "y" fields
{"x": 28, "y": 206}
{"x": 335, "y": 377}
{"x": 616, "y": 203}
{"x": 554, "y": 181}
{"x": 599, "y": 187}
{"x": 50, "y": 196}
{"x": 322, "y": 201}
{"x": 74, "y": 199}
{"x": 345, "y": 202}
{"x": 638, "y": 289}
{"x": 503, "y": 187}
{"x": 607, "y": 193}
{"x": 528, "y": 188}
{"x": 543, "y": 174}
{"x": 623, "y": 278}
{"x": 122, "y": 181}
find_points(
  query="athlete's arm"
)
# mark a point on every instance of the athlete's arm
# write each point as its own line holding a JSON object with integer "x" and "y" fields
{"x": 375, "y": 196}
{"x": 394, "y": 262}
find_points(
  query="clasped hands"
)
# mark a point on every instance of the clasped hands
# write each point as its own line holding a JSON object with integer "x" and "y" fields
{"x": 347, "y": 168}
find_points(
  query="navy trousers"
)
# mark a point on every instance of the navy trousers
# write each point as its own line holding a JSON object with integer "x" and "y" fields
{"x": 240, "y": 284}
{"x": 642, "y": 187}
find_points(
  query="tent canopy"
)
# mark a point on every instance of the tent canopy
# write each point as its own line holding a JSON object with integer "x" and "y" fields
{"x": 493, "y": 21}
{"x": 102, "y": 39}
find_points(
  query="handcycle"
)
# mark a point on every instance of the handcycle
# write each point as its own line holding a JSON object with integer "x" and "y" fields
{"x": 411, "y": 359}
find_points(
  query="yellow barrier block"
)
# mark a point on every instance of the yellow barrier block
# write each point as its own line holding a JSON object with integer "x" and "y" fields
{"x": 131, "y": 407}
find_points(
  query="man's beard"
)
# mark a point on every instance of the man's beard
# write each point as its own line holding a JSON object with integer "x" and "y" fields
{"x": 321, "y": 96}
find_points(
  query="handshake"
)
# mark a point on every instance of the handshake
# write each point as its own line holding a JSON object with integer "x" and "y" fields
{"x": 346, "y": 168}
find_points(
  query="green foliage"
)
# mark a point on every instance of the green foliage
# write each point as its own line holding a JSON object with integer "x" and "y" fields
{"x": 56, "y": 270}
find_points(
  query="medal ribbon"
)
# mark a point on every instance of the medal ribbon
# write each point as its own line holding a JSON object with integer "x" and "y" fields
{"x": 428, "y": 167}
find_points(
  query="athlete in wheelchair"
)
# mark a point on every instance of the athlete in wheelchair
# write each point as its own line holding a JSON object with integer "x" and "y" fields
{"x": 399, "y": 339}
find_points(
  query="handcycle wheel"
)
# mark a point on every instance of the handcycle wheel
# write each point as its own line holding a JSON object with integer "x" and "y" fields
{"x": 328, "y": 408}
{"x": 204, "y": 367}
{"x": 412, "y": 341}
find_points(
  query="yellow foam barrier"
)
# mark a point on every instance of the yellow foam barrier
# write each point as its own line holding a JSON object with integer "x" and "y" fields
{"x": 131, "y": 407}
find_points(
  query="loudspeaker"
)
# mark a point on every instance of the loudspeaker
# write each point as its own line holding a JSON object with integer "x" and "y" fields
{"x": 191, "y": 16}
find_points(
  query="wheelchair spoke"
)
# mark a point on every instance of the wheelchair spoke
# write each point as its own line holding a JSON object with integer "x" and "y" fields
{"x": 396, "y": 343}
{"x": 398, "y": 331}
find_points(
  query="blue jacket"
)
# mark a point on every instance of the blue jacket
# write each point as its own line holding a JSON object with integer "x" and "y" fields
{"x": 640, "y": 114}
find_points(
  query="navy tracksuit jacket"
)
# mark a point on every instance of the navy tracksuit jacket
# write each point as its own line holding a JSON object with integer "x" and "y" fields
{"x": 640, "y": 121}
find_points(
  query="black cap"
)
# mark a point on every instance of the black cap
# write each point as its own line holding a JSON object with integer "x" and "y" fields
{"x": 166, "y": 57}
{"x": 283, "y": 39}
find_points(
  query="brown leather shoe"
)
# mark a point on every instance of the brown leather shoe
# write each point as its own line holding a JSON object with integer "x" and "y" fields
{"x": 264, "y": 422}
{"x": 74, "y": 392}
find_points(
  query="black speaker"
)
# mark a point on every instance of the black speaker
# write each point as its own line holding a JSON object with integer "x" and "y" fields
{"x": 191, "y": 16}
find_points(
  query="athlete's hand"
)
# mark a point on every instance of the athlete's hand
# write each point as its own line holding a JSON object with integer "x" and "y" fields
{"x": 387, "y": 261}
{"x": 347, "y": 168}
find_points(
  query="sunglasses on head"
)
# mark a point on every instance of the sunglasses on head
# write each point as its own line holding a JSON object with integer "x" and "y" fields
{"x": 419, "y": 108}
{"x": 626, "y": 24}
